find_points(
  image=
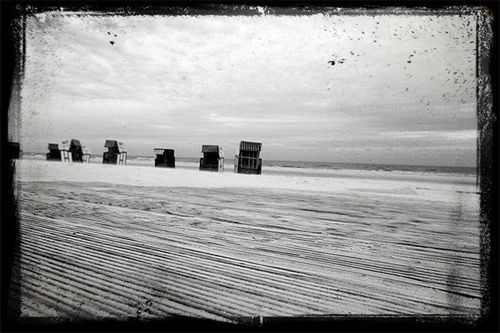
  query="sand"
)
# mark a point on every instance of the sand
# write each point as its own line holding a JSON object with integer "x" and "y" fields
{"x": 128, "y": 241}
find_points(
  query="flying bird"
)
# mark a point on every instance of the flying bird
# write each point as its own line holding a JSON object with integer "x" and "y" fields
{"x": 332, "y": 62}
{"x": 111, "y": 42}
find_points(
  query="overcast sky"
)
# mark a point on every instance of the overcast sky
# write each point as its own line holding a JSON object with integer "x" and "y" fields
{"x": 401, "y": 89}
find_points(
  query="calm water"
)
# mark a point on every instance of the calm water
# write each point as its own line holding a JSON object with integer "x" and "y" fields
{"x": 351, "y": 166}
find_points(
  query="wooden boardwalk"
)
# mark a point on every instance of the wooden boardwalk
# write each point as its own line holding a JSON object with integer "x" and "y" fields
{"x": 101, "y": 250}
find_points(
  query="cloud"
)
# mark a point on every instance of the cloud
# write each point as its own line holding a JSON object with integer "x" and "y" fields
{"x": 465, "y": 135}
{"x": 198, "y": 78}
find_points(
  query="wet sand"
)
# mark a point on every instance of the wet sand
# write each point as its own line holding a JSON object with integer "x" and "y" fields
{"x": 120, "y": 248}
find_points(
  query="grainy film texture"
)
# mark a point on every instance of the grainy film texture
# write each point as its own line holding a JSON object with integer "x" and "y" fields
{"x": 259, "y": 164}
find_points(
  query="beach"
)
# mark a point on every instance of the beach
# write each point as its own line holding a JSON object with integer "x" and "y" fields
{"x": 100, "y": 241}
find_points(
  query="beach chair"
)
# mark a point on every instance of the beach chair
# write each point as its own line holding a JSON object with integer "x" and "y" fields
{"x": 164, "y": 158}
{"x": 64, "y": 146}
{"x": 14, "y": 150}
{"x": 213, "y": 159}
{"x": 75, "y": 150}
{"x": 116, "y": 154}
{"x": 85, "y": 154}
{"x": 248, "y": 160}
{"x": 54, "y": 154}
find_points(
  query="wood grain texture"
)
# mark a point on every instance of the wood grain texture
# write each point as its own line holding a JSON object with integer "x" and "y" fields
{"x": 100, "y": 250}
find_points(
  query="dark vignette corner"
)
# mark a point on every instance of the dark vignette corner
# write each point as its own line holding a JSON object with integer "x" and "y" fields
{"x": 488, "y": 167}
{"x": 10, "y": 32}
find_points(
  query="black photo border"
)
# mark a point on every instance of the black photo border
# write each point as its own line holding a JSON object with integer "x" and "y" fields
{"x": 12, "y": 56}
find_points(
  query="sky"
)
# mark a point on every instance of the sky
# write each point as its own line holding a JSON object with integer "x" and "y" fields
{"x": 392, "y": 89}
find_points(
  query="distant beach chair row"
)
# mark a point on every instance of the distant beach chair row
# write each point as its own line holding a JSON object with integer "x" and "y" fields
{"x": 68, "y": 151}
{"x": 248, "y": 160}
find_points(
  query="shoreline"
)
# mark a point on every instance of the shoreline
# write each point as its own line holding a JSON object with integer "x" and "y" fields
{"x": 303, "y": 166}
{"x": 427, "y": 187}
